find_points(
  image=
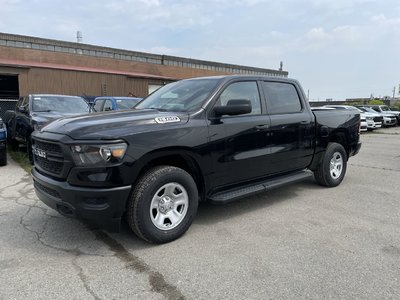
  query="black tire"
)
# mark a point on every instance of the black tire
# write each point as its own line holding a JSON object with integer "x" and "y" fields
{"x": 172, "y": 193}
{"x": 3, "y": 156}
{"x": 326, "y": 176}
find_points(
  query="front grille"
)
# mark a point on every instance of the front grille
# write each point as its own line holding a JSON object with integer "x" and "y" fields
{"x": 48, "y": 147}
{"x": 46, "y": 190}
{"x": 55, "y": 167}
{"x": 378, "y": 119}
{"x": 48, "y": 156}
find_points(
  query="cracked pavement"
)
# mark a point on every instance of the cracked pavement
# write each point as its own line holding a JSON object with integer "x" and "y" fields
{"x": 303, "y": 241}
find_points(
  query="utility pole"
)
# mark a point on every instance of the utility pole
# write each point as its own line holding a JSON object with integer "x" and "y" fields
{"x": 394, "y": 91}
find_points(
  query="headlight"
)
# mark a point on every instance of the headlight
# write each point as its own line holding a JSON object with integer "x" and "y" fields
{"x": 95, "y": 155}
{"x": 370, "y": 118}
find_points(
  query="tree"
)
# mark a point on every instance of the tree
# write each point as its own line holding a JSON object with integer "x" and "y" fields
{"x": 376, "y": 102}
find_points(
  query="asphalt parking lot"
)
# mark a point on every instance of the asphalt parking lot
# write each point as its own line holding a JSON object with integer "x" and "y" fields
{"x": 300, "y": 242}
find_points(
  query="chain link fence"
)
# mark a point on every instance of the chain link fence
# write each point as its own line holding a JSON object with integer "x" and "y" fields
{"x": 7, "y": 104}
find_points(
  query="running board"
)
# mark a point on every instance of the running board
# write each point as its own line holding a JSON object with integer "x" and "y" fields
{"x": 259, "y": 187}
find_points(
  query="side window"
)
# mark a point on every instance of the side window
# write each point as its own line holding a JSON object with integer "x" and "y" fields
{"x": 282, "y": 98}
{"x": 242, "y": 90}
{"x": 98, "y": 105}
{"x": 107, "y": 105}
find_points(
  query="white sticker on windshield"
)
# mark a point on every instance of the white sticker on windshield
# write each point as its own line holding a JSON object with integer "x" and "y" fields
{"x": 169, "y": 119}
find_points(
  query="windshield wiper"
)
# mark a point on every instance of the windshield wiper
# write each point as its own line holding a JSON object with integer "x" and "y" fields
{"x": 47, "y": 110}
{"x": 157, "y": 108}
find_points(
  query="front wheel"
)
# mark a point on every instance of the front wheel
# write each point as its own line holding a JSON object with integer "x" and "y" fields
{"x": 332, "y": 169}
{"x": 163, "y": 204}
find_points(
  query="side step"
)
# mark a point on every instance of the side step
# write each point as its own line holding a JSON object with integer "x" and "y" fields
{"x": 259, "y": 187}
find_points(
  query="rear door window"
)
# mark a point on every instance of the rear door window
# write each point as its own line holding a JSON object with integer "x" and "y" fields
{"x": 282, "y": 98}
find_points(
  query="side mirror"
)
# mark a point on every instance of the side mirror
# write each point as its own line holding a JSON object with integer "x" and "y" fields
{"x": 23, "y": 109}
{"x": 233, "y": 107}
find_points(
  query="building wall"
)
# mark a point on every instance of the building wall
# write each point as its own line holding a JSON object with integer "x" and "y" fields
{"x": 78, "y": 83}
{"x": 50, "y": 66}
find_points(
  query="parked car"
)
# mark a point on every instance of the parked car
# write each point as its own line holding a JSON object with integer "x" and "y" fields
{"x": 3, "y": 143}
{"x": 214, "y": 139}
{"x": 384, "y": 109}
{"x": 387, "y": 118}
{"x": 35, "y": 110}
{"x": 364, "y": 124}
{"x": 114, "y": 103}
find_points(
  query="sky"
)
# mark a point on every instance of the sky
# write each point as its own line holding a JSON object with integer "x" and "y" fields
{"x": 337, "y": 49}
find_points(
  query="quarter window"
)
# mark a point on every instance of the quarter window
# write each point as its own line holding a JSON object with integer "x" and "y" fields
{"x": 282, "y": 98}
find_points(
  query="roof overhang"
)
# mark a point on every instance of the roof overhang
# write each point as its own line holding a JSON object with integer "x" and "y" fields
{"x": 34, "y": 64}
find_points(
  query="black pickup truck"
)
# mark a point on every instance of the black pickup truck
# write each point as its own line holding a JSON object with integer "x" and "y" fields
{"x": 212, "y": 139}
{"x": 34, "y": 110}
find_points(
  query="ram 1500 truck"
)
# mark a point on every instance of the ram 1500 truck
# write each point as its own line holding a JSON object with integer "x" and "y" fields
{"x": 212, "y": 139}
{"x": 34, "y": 110}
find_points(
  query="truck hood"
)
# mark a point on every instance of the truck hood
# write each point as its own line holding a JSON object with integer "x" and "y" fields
{"x": 42, "y": 118}
{"x": 116, "y": 124}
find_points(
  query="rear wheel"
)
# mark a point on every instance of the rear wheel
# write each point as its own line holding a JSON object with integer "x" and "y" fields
{"x": 163, "y": 204}
{"x": 332, "y": 169}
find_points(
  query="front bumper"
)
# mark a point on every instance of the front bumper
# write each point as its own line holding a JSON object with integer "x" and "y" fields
{"x": 103, "y": 207}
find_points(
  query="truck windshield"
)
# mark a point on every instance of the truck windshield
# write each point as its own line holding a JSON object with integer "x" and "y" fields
{"x": 59, "y": 104}
{"x": 385, "y": 108}
{"x": 126, "y": 103}
{"x": 182, "y": 96}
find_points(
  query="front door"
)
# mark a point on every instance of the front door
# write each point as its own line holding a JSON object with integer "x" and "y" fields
{"x": 238, "y": 143}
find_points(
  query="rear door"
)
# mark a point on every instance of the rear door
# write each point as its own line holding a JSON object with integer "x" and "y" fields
{"x": 291, "y": 134}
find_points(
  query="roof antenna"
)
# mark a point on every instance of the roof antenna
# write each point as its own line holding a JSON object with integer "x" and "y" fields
{"x": 79, "y": 36}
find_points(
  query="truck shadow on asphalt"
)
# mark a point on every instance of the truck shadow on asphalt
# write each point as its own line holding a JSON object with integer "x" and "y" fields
{"x": 209, "y": 214}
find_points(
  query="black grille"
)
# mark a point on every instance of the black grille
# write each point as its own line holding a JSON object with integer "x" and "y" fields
{"x": 53, "y": 161}
{"x": 47, "y": 190}
{"x": 55, "y": 167}
{"x": 378, "y": 119}
{"x": 48, "y": 147}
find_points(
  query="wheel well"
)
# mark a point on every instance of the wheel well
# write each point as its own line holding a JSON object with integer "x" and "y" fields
{"x": 340, "y": 138}
{"x": 184, "y": 162}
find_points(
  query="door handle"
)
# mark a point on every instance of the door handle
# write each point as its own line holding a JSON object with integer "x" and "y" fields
{"x": 261, "y": 127}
